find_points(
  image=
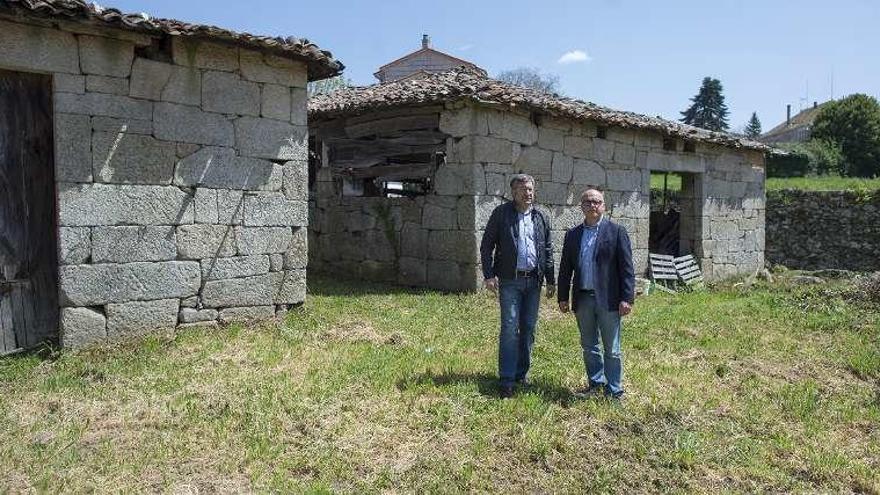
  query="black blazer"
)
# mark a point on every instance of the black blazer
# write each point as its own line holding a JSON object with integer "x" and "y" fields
{"x": 615, "y": 274}
{"x": 498, "y": 248}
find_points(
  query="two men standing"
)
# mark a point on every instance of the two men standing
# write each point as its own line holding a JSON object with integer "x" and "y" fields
{"x": 596, "y": 273}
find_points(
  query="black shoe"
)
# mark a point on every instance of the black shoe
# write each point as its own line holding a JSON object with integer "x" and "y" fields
{"x": 505, "y": 391}
{"x": 524, "y": 382}
{"x": 617, "y": 398}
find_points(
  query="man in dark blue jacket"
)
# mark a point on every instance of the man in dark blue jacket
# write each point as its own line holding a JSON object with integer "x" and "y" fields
{"x": 517, "y": 256}
{"x": 596, "y": 272}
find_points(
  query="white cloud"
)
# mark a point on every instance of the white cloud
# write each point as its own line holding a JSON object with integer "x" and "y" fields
{"x": 464, "y": 48}
{"x": 574, "y": 56}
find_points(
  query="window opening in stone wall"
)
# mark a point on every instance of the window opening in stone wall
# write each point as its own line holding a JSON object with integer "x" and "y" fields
{"x": 690, "y": 147}
{"x": 675, "y": 213}
{"x": 669, "y": 144}
{"x": 602, "y": 132}
{"x": 314, "y": 160}
{"x": 159, "y": 50}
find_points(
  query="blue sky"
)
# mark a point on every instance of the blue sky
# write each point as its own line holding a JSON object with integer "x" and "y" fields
{"x": 644, "y": 56}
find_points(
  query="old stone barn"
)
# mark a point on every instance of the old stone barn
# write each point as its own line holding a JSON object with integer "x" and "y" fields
{"x": 406, "y": 173}
{"x": 152, "y": 172}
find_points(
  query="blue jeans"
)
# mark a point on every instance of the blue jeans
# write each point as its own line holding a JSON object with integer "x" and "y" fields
{"x": 519, "y": 299}
{"x": 604, "y": 364}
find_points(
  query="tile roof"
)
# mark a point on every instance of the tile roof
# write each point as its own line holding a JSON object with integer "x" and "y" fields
{"x": 462, "y": 83}
{"x": 320, "y": 62}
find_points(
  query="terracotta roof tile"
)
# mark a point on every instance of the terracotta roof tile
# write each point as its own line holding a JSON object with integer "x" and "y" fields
{"x": 462, "y": 83}
{"x": 320, "y": 62}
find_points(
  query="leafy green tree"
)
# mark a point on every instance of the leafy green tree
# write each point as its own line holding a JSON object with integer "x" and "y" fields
{"x": 753, "y": 128}
{"x": 707, "y": 109}
{"x": 854, "y": 124}
{"x": 327, "y": 86}
{"x": 530, "y": 77}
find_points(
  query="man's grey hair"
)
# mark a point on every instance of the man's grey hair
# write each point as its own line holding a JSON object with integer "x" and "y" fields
{"x": 521, "y": 179}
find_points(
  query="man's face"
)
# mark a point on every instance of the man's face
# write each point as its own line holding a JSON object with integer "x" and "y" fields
{"x": 524, "y": 194}
{"x": 593, "y": 205}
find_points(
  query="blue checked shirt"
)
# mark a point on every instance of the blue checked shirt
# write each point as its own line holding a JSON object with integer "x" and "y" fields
{"x": 526, "y": 256}
{"x": 588, "y": 250}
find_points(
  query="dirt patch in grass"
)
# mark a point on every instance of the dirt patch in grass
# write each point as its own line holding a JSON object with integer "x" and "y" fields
{"x": 355, "y": 330}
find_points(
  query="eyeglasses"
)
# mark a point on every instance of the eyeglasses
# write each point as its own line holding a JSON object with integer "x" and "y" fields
{"x": 592, "y": 202}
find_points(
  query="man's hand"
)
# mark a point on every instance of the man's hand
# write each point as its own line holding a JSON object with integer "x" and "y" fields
{"x": 625, "y": 308}
{"x": 551, "y": 291}
{"x": 491, "y": 284}
{"x": 563, "y": 306}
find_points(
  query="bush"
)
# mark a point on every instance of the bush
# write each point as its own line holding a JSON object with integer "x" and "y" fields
{"x": 795, "y": 163}
{"x": 854, "y": 123}
{"x": 823, "y": 157}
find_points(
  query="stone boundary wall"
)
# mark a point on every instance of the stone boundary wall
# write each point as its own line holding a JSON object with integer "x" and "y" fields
{"x": 814, "y": 230}
{"x": 181, "y": 178}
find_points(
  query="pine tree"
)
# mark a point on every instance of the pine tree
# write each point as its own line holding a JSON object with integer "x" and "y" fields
{"x": 708, "y": 109}
{"x": 753, "y": 128}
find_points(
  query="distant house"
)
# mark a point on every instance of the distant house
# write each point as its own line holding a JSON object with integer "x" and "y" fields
{"x": 424, "y": 60}
{"x": 795, "y": 129}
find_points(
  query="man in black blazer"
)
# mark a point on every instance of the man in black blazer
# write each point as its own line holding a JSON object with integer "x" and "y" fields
{"x": 597, "y": 274}
{"x": 517, "y": 256}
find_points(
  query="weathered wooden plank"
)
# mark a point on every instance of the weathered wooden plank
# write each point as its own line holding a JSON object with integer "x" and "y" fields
{"x": 391, "y": 172}
{"x": 397, "y": 124}
{"x": 388, "y": 114}
{"x": 7, "y": 332}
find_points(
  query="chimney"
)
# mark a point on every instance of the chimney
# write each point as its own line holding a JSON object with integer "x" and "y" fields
{"x": 788, "y": 115}
{"x": 426, "y": 41}
{"x": 815, "y": 104}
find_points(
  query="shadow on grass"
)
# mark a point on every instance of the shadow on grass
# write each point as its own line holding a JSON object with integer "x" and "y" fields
{"x": 487, "y": 385}
{"x": 323, "y": 284}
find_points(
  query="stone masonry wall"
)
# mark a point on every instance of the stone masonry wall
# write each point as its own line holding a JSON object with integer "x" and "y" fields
{"x": 489, "y": 145}
{"x": 426, "y": 241}
{"x": 181, "y": 179}
{"x": 814, "y": 230}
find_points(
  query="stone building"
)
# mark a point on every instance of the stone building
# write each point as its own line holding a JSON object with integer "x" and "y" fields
{"x": 405, "y": 175}
{"x": 153, "y": 172}
{"x": 425, "y": 60}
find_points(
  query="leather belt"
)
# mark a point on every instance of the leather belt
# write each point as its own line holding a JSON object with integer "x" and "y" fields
{"x": 588, "y": 292}
{"x": 526, "y": 273}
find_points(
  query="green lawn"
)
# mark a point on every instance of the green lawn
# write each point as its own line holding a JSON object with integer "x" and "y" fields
{"x": 371, "y": 388}
{"x": 823, "y": 183}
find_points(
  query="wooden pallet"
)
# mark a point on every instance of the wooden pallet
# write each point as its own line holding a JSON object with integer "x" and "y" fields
{"x": 663, "y": 272}
{"x": 668, "y": 272}
{"x": 688, "y": 270}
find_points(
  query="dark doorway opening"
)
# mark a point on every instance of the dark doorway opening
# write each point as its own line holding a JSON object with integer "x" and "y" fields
{"x": 675, "y": 213}
{"x": 28, "y": 246}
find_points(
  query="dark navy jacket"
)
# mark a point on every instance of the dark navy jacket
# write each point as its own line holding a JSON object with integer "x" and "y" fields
{"x": 613, "y": 266}
{"x": 498, "y": 249}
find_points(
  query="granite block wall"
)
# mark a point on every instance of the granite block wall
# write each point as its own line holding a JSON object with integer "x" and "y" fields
{"x": 813, "y": 230}
{"x": 181, "y": 178}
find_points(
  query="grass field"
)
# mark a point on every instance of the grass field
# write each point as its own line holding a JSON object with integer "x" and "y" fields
{"x": 370, "y": 388}
{"x": 823, "y": 183}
